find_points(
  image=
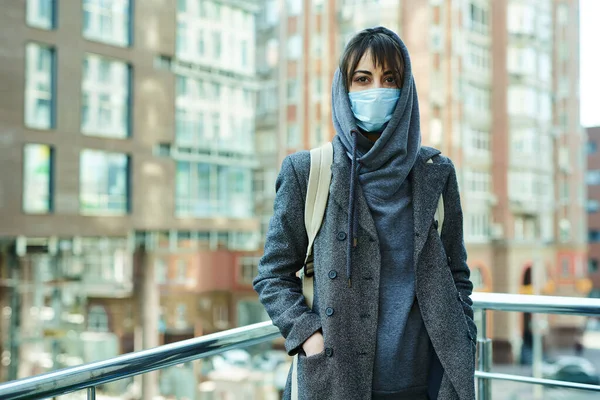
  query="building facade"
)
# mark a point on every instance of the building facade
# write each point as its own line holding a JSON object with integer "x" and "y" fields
{"x": 593, "y": 207}
{"x": 497, "y": 84}
{"x": 129, "y": 131}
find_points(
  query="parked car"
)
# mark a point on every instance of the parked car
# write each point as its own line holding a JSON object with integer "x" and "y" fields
{"x": 270, "y": 360}
{"x": 571, "y": 369}
{"x": 591, "y": 334}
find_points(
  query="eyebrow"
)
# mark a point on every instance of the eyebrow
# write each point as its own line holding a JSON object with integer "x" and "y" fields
{"x": 360, "y": 71}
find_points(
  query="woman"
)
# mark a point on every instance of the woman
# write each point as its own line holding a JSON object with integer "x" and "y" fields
{"x": 392, "y": 317}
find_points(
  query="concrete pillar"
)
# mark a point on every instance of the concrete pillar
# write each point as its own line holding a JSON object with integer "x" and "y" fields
{"x": 148, "y": 300}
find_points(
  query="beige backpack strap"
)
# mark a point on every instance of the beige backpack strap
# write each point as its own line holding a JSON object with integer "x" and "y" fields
{"x": 317, "y": 193}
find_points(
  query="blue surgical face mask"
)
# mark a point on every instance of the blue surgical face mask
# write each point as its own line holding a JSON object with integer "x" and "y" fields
{"x": 374, "y": 107}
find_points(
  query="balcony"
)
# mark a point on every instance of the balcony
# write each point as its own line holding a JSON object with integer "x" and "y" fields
{"x": 89, "y": 376}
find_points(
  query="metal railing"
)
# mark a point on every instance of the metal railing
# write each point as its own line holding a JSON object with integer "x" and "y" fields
{"x": 484, "y": 302}
{"x": 89, "y": 376}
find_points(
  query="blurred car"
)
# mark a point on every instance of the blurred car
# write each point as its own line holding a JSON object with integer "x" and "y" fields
{"x": 571, "y": 369}
{"x": 270, "y": 360}
{"x": 233, "y": 358}
{"x": 591, "y": 334}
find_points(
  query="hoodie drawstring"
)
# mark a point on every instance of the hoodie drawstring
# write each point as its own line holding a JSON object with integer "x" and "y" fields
{"x": 352, "y": 220}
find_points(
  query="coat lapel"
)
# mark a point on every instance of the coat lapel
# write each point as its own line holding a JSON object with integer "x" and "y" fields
{"x": 428, "y": 182}
{"x": 340, "y": 189}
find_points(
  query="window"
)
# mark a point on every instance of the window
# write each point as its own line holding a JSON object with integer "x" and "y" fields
{"x": 478, "y": 182}
{"x": 318, "y": 87}
{"x": 292, "y": 90}
{"x": 294, "y": 7}
{"x": 525, "y": 228}
{"x": 293, "y": 136}
{"x": 181, "y": 271}
{"x": 107, "y": 21}
{"x": 593, "y": 177}
{"x": 479, "y": 141}
{"x": 190, "y": 117}
{"x": 294, "y": 47}
{"x": 564, "y": 191}
{"x": 318, "y": 138}
{"x": 217, "y": 44}
{"x": 478, "y": 18}
{"x": 564, "y": 227}
{"x": 97, "y": 319}
{"x": 106, "y": 261}
{"x": 251, "y": 312}
{"x": 235, "y": 192}
{"x": 562, "y": 13}
{"x": 522, "y": 101}
{"x": 192, "y": 187}
{"x": 180, "y": 316}
{"x": 160, "y": 270}
{"x": 104, "y": 183}
{"x": 41, "y": 13}
{"x": 436, "y": 39}
{"x": 248, "y": 269}
{"x": 591, "y": 147}
{"x": 37, "y": 179}
{"x": 479, "y": 57}
{"x": 105, "y": 109}
{"x": 593, "y": 265}
{"x": 478, "y": 226}
{"x": 522, "y": 61}
{"x": 271, "y": 11}
{"x": 39, "y": 87}
{"x": 477, "y": 278}
{"x": 565, "y": 267}
{"x": 593, "y": 206}
{"x": 221, "y": 316}
{"x": 209, "y": 190}
{"x": 521, "y": 18}
{"x": 478, "y": 99}
{"x": 594, "y": 236}
{"x": 244, "y": 55}
{"x": 317, "y": 45}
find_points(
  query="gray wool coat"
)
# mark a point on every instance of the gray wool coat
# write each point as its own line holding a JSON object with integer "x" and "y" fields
{"x": 348, "y": 316}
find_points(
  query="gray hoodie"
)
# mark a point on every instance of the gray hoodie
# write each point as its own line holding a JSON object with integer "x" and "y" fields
{"x": 382, "y": 169}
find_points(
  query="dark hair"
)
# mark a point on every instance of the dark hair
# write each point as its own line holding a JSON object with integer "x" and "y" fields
{"x": 385, "y": 51}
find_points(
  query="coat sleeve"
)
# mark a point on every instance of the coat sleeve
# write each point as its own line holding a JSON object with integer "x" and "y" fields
{"x": 278, "y": 287}
{"x": 453, "y": 239}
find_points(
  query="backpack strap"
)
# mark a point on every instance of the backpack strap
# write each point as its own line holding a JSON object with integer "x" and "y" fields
{"x": 317, "y": 193}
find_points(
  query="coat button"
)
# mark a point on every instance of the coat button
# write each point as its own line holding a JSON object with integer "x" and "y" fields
{"x": 341, "y": 236}
{"x": 329, "y": 352}
{"x": 329, "y": 311}
{"x": 435, "y": 224}
{"x": 332, "y": 274}
{"x": 449, "y": 260}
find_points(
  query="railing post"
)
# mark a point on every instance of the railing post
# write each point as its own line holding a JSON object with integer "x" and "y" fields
{"x": 484, "y": 345}
{"x": 91, "y": 393}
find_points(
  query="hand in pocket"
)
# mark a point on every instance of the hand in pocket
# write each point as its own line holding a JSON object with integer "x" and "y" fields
{"x": 314, "y": 344}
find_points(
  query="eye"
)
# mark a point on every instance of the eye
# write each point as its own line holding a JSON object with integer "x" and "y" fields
{"x": 390, "y": 79}
{"x": 361, "y": 79}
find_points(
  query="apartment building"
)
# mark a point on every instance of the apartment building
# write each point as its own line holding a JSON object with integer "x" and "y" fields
{"x": 129, "y": 133}
{"x": 593, "y": 208}
{"x": 497, "y": 84}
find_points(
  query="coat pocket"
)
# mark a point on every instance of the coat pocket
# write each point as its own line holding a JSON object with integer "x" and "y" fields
{"x": 313, "y": 376}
